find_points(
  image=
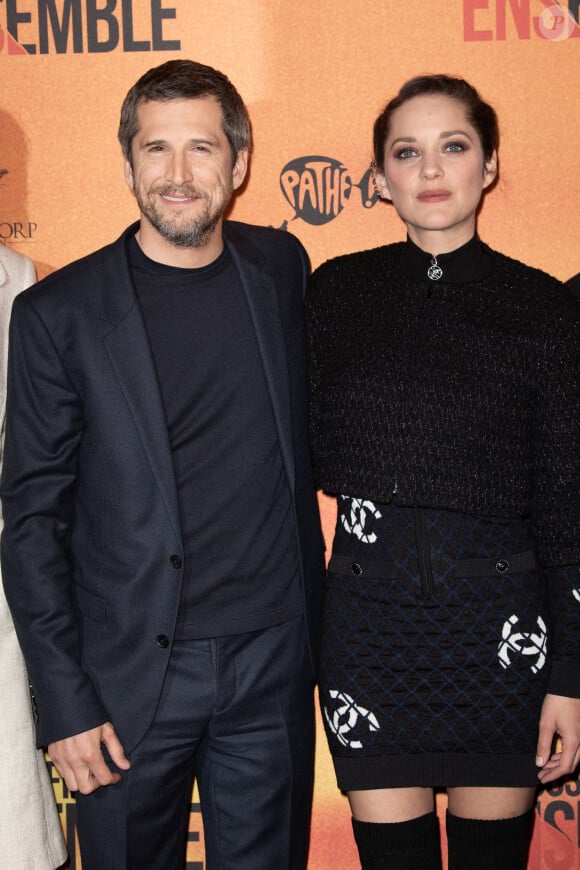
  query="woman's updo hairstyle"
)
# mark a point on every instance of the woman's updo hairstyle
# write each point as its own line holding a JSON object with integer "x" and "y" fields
{"x": 479, "y": 114}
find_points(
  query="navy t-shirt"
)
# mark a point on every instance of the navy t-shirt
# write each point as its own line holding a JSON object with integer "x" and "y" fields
{"x": 241, "y": 569}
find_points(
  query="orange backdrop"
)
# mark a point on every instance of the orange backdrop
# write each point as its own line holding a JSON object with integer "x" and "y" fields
{"x": 314, "y": 74}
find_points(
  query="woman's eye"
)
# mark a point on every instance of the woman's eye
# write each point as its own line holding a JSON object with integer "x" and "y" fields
{"x": 455, "y": 146}
{"x": 405, "y": 153}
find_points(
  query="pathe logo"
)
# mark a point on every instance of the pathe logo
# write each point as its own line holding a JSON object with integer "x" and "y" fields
{"x": 85, "y": 26}
{"x": 318, "y": 188}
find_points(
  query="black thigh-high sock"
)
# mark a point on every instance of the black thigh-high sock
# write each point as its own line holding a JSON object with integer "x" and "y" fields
{"x": 412, "y": 845}
{"x": 483, "y": 844}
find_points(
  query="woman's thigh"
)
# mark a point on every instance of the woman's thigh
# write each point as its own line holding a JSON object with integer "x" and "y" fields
{"x": 391, "y": 804}
{"x": 490, "y": 803}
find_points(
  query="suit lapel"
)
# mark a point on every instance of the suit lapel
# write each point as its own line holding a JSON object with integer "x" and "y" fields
{"x": 262, "y": 297}
{"x": 127, "y": 346}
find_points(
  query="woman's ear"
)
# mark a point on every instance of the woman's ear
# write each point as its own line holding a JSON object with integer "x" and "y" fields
{"x": 380, "y": 182}
{"x": 490, "y": 170}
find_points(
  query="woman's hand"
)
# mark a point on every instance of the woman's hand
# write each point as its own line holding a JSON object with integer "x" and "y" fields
{"x": 560, "y": 717}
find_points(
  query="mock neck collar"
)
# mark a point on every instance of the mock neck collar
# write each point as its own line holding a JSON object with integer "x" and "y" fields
{"x": 471, "y": 262}
{"x": 138, "y": 259}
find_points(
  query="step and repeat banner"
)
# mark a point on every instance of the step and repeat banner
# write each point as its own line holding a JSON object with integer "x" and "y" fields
{"x": 314, "y": 74}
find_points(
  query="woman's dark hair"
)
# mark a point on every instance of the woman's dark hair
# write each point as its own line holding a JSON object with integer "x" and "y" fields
{"x": 186, "y": 80}
{"x": 479, "y": 114}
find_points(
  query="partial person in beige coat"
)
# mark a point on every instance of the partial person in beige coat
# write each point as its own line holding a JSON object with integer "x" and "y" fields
{"x": 30, "y": 832}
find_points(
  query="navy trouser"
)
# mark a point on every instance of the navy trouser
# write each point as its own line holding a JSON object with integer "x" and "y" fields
{"x": 236, "y": 713}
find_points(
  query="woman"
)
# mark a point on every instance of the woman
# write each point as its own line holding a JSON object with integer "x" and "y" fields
{"x": 30, "y": 833}
{"x": 444, "y": 417}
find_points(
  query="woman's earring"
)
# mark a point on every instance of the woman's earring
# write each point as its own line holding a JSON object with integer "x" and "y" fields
{"x": 374, "y": 180}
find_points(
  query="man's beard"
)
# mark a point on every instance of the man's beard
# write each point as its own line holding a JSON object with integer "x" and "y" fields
{"x": 183, "y": 232}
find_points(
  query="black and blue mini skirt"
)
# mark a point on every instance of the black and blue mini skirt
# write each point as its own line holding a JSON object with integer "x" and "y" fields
{"x": 434, "y": 653}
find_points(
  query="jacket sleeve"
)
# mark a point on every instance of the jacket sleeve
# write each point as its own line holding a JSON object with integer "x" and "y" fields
{"x": 556, "y": 493}
{"x": 44, "y": 424}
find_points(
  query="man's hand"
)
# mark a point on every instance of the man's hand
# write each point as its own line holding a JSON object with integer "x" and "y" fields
{"x": 79, "y": 759}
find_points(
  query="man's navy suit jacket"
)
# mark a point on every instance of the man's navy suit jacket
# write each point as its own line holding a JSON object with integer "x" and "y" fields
{"x": 92, "y": 553}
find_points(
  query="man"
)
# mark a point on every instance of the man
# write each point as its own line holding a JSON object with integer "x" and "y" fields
{"x": 162, "y": 552}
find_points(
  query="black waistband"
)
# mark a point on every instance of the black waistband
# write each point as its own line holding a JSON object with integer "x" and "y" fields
{"x": 513, "y": 563}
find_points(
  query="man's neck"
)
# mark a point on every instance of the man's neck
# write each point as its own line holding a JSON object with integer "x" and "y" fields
{"x": 163, "y": 251}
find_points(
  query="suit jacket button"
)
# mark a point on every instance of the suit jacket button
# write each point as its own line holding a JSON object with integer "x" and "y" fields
{"x": 356, "y": 569}
{"x": 162, "y": 641}
{"x": 501, "y": 566}
{"x": 175, "y": 561}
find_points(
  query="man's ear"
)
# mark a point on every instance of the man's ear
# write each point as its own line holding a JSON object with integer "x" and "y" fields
{"x": 128, "y": 172}
{"x": 240, "y": 168}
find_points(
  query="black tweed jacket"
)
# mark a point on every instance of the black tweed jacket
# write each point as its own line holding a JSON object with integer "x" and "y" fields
{"x": 462, "y": 393}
